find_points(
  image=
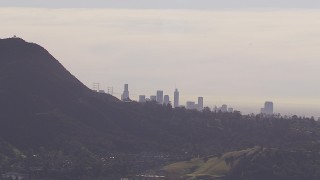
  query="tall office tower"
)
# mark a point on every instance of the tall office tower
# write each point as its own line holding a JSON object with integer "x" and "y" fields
{"x": 153, "y": 98}
{"x": 125, "y": 95}
{"x": 191, "y": 105}
{"x": 224, "y": 108}
{"x": 268, "y": 108}
{"x": 160, "y": 97}
{"x": 176, "y": 98}
{"x": 142, "y": 98}
{"x": 200, "y": 103}
{"x": 166, "y": 100}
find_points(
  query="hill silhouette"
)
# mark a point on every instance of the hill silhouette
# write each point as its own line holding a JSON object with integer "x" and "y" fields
{"x": 44, "y": 105}
{"x": 40, "y": 100}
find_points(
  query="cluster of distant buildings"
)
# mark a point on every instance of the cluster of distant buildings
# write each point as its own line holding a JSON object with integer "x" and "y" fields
{"x": 161, "y": 98}
{"x": 224, "y": 108}
{"x": 164, "y": 99}
{"x": 193, "y": 105}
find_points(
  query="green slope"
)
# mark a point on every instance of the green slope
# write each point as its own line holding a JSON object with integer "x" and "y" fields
{"x": 255, "y": 163}
{"x": 210, "y": 167}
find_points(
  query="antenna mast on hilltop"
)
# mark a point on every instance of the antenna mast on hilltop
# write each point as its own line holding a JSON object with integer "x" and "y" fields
{"x": 110, "y": 90}
{"x": 96, "y": 86}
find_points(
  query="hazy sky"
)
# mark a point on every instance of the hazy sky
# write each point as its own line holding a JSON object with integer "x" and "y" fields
{"x": 158, "y": 4}
{"x": 236, "y": 53}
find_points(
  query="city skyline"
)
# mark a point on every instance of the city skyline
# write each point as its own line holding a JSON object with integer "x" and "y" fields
{"x": 222, "y": 105}
{"x": 164, "y": 99}
{"x": 241, "y": 56}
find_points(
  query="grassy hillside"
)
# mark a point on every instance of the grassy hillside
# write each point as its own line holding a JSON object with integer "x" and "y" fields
{"x": 214, "y": 167}
{"x": 255, "y": 163}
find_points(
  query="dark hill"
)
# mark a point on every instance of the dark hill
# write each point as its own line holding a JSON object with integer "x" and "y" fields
{"x": 44, "y": 105}
{"x": 41, "y": 101}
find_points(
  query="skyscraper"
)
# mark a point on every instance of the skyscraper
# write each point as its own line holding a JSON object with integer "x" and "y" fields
{"x": 142, "y": 98}
{"x": 176, "y": 98}
{"x": 153, "y": 98}
{"x": 160, "y": 97}
{"x": 224, "y": 108}
{"x": 166, "y": 100}
{"x": 125, "y": 95}
{"x": 200, "y": 103}
{"x": 268, "y": 108}
{"x": 191, "y": 105}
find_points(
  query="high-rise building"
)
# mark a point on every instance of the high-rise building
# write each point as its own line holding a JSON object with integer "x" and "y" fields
{"x": 125, "y": 95}
{"x": 191, "y": 105}
{"x": 200, "y": 103}
{"x": 224, "y": 108}
{"x": 153, "y": 98}
{"x": 160, "y": 97}
{"x": 176, "y": 98}
{"x": 268, "y": 108}
{"x": 166, "y": 100}
{"x": 230, "y": 110}
{"x": 142, "y": 98}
